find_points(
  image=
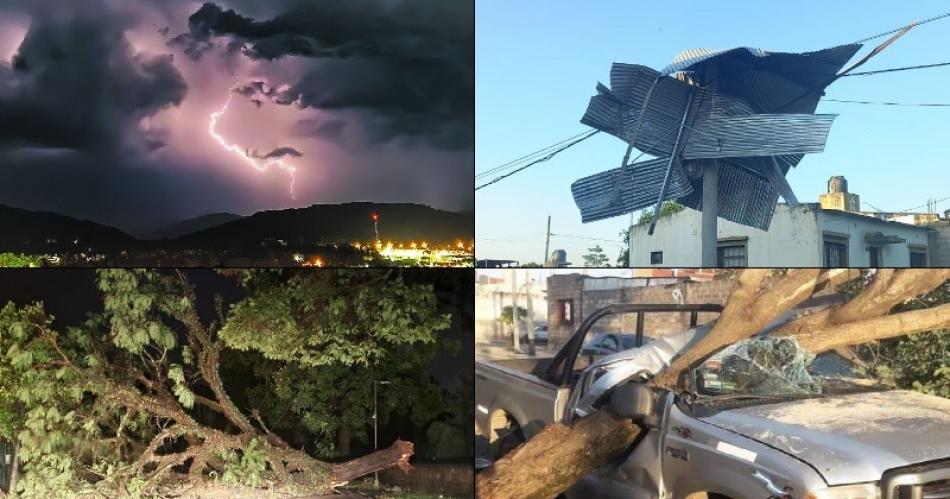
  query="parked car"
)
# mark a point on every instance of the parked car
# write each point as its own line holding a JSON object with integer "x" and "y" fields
{"x": 540, "y": 336}
{"x": 609, "y": 343}
{"x": 758, "y": 419}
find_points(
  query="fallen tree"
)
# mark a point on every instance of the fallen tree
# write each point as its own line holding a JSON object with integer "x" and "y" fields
{"x": 558, "y": 456}
{"x": 135, "y": 398}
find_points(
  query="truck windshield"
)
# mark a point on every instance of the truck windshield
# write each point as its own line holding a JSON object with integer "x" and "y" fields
{"x": 777, "y": 367}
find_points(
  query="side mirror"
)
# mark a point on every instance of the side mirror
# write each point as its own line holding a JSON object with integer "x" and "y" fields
{"x": 632, "y": 401}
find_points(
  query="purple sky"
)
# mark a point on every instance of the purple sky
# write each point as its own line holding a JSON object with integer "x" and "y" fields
{"x": 105, "y": 114}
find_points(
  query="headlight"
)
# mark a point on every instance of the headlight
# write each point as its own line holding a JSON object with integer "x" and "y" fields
{"x": 859, "y": 491}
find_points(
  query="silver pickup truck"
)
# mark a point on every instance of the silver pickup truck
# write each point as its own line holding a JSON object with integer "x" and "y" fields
{"x": 759, "y": 419}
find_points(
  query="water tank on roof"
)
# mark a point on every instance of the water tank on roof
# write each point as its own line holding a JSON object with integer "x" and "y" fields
{"x": 837, "y": 184}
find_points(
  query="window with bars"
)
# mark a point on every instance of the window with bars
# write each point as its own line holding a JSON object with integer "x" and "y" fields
{"x": 731, "y": 254}
{"x": 835, "y": 252}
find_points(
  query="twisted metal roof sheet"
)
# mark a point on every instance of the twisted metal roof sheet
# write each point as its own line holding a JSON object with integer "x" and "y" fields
{"x": 623, "y": 190}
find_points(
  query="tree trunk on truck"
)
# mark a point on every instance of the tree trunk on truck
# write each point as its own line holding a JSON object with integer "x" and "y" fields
{"x": 556, "y": 458}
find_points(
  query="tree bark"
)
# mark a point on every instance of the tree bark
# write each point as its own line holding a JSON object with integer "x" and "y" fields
{"x": 749, "y": 308}
{"x": 887, "y": 289}
{"x": 14, "y": 472}
{"x": 863, "y": 331}
{"x": 396, "y": 455}
{"x": 556, "y": 458}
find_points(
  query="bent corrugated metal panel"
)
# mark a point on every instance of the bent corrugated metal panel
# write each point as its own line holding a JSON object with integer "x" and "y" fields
{"x": 617, "y": 110}
{"x": 623, "y": 190}
{"x": 772, "y": 82}
{"x": 758, "y": 135}
{"x": 688, "y": 57}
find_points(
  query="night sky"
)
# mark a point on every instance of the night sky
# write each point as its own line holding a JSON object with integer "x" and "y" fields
{"x": 139, "y": 113}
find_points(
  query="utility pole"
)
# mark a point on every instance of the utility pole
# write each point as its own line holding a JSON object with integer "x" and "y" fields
{"x": 515, "y": 320}
{"x": 530, "y": 318}
{"x": 375, "y": 217}
{"x": 547, "y": 244}
{"x": 710, "y": 213}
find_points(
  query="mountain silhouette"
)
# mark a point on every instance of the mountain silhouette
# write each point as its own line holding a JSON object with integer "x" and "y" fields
{"x": 44, "y": 232}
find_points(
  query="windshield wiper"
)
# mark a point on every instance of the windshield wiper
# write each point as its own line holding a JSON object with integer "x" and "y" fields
{"x": 752, "y": 396}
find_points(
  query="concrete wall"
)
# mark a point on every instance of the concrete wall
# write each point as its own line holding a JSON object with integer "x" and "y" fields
{"x": 854, "y": 228}
{"x": 792, "y": 239}
{"x": 589, "y": 298}
{"x": 940, "y": 244}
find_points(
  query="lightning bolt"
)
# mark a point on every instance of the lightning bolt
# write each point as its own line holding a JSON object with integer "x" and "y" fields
{"x": 260, "y": 166}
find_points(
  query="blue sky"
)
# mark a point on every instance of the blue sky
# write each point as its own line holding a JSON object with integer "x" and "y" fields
{"x": 537, "y": 63}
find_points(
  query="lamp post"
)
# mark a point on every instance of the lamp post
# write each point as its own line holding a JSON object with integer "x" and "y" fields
{"x": 376, "y": 426}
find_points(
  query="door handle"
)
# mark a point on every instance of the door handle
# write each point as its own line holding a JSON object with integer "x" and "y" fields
{"x": 773, "y": 489}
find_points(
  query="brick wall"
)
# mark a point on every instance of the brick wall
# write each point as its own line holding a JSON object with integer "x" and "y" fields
{"x": 570, "y": 288}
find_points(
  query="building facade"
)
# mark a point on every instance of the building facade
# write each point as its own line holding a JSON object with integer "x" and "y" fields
{"x": 493, "y": 292}
{"x": 805, "y": 236}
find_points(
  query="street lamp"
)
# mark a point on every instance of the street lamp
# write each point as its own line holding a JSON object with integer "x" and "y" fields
{"x": 376, "y": 426}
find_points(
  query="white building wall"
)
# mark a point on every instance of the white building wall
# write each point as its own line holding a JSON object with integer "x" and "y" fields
{"x": 792, "y": 240}
{"x": 855, "y": 228}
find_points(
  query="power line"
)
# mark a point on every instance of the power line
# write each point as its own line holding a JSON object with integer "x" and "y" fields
{"x": 895, "y": 30}
{"x": 892, "y": 70}
{"x": 549, "y": 156}
{"x": 924, "y": 205}
{"x": 587, "y": 238}
{"x": 526, "y": 156}
{"x": 878, "y": 103}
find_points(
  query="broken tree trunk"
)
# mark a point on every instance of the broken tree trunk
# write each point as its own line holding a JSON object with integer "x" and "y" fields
{"x": 397, "y": 454}
{"x": 556, "y": 458}
{"x": 749, "y": 308}
{"x": 889, "y": 326}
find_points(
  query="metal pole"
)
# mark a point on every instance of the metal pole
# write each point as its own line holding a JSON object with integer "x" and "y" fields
{"x": 376, "y": 426}
{"x": 515, "y": 323}
{"x": 710, "y": 239}
{"x": 375, "y": 432}
{"x": 547, "y": 244}
{"x": 528, "y": 305}
{"x": 669, "y": 167}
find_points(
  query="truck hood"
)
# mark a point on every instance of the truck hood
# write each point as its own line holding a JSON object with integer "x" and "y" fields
{"x": 849, "y": 438}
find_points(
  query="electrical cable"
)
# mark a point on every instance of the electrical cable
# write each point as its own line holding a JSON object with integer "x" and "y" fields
{"x": 895, "y": 30}
{"x": 892, "y": 70}
{"x": 549, "y": 156}
{"x": 879, "y": 103}
{"x": 526, "y": 157}
{"x": 924, "y": 205}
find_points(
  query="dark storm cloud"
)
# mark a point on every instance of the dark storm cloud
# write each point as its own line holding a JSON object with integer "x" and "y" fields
{"x": 406, "y": 66}
{"x": 279, "y": 152}
{"x": 331, "y": 129}
{"x": 75, "y": 83}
